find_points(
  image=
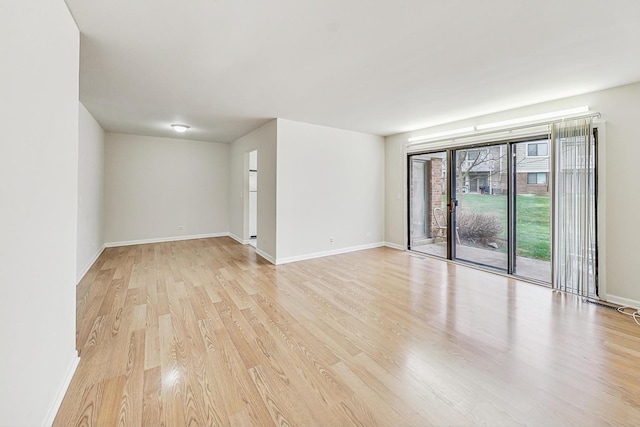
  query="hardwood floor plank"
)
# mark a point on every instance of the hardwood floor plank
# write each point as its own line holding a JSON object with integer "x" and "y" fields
{"x": 89, "y": 300}
{"x": 270, "y": 399}
{"x": 133, "y": 392}
{"x": 109, "y": 408}
{"x": 205, "y": 332}
{"x": 152, "y": 412}
{"x": 239, "y": 389}
{"x": 86, "y": 410}
{"x": 358, "y": 413}
{"x": 152, "y": 328}
{"x": 370, "y": 401}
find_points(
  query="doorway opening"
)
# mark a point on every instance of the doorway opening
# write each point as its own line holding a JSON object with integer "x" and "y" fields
{"x": 253, "y": 198}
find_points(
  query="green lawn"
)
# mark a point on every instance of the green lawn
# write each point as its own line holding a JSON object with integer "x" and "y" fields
{"x": 532, "y": 220}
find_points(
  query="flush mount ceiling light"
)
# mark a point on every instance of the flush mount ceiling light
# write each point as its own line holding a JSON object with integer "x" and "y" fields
{"x": 180, "y": 128}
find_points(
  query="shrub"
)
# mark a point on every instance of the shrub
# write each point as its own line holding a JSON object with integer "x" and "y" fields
{"x": 479, "y": 228}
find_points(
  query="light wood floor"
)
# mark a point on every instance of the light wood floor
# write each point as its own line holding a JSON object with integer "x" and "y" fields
{"x": 204, "y": 332}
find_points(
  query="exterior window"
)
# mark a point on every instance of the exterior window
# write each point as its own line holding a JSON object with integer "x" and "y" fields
{"x": 537, "y": 178}
{"x": 538, "y": 149}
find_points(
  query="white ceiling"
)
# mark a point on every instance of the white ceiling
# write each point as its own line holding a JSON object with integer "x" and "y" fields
{"x": 224, "y": 67}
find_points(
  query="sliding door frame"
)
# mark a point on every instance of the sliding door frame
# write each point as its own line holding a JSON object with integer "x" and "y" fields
{"x": 528, "y": 131}
{"x": 452, "y": 203}
{"x": 511, "y": 208}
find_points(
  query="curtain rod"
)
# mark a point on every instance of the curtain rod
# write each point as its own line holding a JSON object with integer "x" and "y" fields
{"x": 511, "y": 129}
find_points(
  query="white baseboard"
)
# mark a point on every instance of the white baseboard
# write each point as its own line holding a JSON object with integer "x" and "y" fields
{"x": 90, "y": 264}
{"x": 165, "y": 239}
{"x": 266, "y": 256}
{"x": 287, "y": 260}
{"x": 55, "y": 405}
{"x": 238, "y": 239}
{"x": 626, "y": 302}
{"x": 394, "y": 246}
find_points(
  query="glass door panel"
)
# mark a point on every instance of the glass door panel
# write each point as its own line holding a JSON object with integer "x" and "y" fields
{"x": 427, "y": 205}
{"x": 481, "y": 215}
{"x": 532, "y": 210}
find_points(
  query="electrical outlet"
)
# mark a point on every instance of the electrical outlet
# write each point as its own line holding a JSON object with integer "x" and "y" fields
{"x": 180, "y": 227}
{"x": 368, "y": 235}
{"x": 330, "y": 239}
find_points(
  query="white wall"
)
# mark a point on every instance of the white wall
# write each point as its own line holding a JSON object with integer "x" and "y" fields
{"x": 90, "y": 190}
{"x": 620, "y": 108}
{"x": 263, "y": 139}
{"x": 155, "y": 185}
{"x": 38, "y": 191}
{"x": 330, "y": 185}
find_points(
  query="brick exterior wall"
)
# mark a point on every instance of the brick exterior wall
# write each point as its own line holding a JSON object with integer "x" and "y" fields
{"x": 435, "y": 192}
{"x": 524, "y": 188}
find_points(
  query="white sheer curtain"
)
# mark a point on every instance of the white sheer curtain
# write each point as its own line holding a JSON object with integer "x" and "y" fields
{"x": 575, "y": 250}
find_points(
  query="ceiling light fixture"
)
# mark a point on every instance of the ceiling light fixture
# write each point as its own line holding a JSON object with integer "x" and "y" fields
{"x": 529, "y": 119}
{"x": 180, "y": 128}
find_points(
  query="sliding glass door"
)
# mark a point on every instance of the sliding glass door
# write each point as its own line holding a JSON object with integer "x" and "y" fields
{"x": 480, "y": 197}
{"x": 427, "y": 203}
{"x": 497, "y": 198}
{"x": 525, "y": 207}
{"x": 532, "y": 197}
